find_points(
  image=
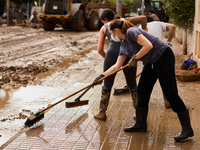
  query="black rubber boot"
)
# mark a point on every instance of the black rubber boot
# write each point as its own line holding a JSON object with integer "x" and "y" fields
{"x": 105, "y": 96}
{"x": 166, "y": 102}
{"x": 141, "y": 120}
{"x": 187, "y": 130}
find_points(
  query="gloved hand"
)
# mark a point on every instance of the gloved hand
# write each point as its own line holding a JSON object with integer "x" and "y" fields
{"x": 132, "y": 62}
{"x": 147, "y": 29}
{"x": 96, "y": 81}
{"x": 169, "y": 44}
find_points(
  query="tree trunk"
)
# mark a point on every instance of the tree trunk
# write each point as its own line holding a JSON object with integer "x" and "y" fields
{"x": 8, "y": 13}
{"x": 10, "y": 17}
{"x": 147, "y": 6}
{"x": 18, "y": 15}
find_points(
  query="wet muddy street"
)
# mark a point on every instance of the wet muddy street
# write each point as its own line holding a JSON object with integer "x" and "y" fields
{"x": 39, "y": 68}
{"x": 25, "y": 52}
{"x": 33, "y": 67}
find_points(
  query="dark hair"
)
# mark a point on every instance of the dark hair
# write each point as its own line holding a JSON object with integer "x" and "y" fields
{"x": 117, "y": 17}
{"x": 122, "y": 25}
{"x": 152, "y": 11}
{"x": 108, "y": 14}
{"x": 149, "y": 19}
{"x": 117, "y": 23}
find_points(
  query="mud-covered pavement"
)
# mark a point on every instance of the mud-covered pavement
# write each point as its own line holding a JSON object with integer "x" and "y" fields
{"x": 25, "y": 52}
{"x": 28, "y": 57}
{"x": 38, "y": 68}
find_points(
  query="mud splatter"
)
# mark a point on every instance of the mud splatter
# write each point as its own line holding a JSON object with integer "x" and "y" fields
{"x": 14, "y": 76}
{"x": 13, "y": 117}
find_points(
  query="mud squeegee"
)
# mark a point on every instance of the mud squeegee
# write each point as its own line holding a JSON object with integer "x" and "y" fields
{"x": 31, "y": 120}
{"x": 77, "y": 101}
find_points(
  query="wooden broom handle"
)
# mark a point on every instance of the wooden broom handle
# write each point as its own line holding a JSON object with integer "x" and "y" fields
{"x": 114, "y": 72}
{"x": 78, "y": 98}
{"x": 89, "y": 86}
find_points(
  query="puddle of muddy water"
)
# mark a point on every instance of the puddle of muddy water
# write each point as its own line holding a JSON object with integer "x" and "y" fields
{"x": 67, "y": 62}
{"x": 26, "y": 99}
{"x": 29, "y": 99}
{"x": 36, "y": 94}
{"x": 19, "y": 102}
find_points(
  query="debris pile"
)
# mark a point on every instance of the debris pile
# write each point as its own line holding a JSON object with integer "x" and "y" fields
{"x": 17, "y": 75}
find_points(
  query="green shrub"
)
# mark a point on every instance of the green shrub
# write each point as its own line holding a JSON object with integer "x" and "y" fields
{"x": 182, "y": 11}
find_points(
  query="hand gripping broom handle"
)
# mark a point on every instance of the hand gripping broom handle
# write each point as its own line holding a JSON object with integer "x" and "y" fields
{"x": 78, "y": 98}
{"x": 89, "y": 86}
{"x": 114, "y": 72}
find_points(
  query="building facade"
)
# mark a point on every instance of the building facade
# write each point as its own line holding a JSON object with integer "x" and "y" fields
{"x": 196, "y": 51}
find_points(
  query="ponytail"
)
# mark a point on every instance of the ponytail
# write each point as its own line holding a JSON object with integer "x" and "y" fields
{"x": 123, "y": 25}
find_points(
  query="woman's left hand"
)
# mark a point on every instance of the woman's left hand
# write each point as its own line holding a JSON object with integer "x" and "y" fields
{"x": 96, "y": 81}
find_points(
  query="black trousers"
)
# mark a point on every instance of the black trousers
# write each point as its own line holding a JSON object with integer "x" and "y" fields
{"x": 164, "y": 71}
{"x": 129, "y": 73}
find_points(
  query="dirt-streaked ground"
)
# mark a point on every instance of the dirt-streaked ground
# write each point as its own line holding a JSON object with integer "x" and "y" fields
{"x": 25, "y": 52}
{"x": 27, "y": 55}
{"x": 46, "y": 61}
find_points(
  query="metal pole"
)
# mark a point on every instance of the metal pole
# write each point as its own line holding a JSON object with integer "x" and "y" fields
{"x": 142, "y": 7}
{"x": 8, "y": 7}
{"x": 119, "y": 7}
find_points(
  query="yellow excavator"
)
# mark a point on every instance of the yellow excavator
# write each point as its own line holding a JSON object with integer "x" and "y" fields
{"x": 74, "y": 14}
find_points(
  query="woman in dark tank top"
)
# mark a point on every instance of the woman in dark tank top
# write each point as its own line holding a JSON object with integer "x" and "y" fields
{"x": 110, "y": 58}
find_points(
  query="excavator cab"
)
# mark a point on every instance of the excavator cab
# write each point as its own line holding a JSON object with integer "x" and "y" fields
{"x": 75, "y": 14}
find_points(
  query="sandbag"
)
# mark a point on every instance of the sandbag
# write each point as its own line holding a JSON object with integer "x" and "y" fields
{"x": 188, "y": 75}
{"x": 189, "y": 64}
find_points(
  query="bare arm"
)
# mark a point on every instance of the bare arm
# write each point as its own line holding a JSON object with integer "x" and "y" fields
{"x": 139, "y": 20}
{"x": 101, "y": 42}
{"x": 146, "y": 46}
{"x": 171, "y": 29}
{"x": 117, "y": 65}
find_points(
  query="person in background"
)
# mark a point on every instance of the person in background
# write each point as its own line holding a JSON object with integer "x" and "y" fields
{"x": 110, "y": 57}
{"x": 153, "y": 15}
{"x": 157, "y": 28}
{"x": 20, "y": 17}
{"x": 159, "y": 62}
